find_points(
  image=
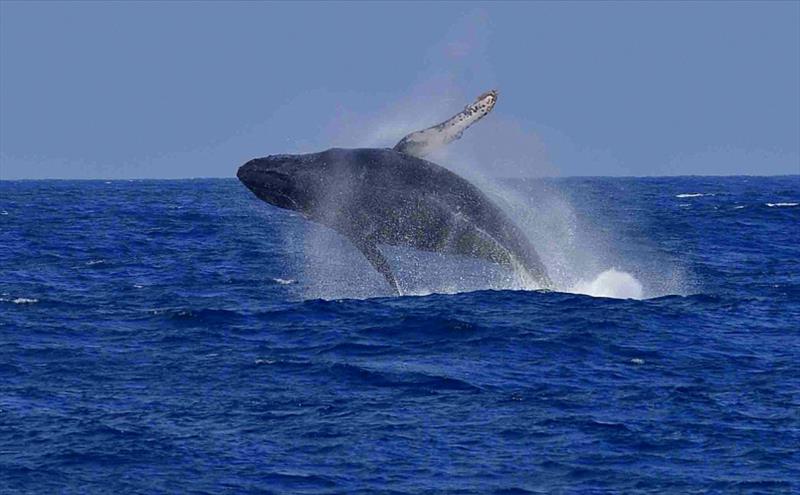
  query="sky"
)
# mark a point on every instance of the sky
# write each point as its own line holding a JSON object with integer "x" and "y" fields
{"x": 174, "y": 90}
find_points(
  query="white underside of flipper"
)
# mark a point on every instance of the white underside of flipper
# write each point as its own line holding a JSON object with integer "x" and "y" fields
{"x": 423, "y": 142}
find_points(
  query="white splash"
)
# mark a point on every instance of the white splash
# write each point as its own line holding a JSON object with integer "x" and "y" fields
{"x": 777, "y": 205}
{"x": 611, "y": 283}
{"x": 689, "y": 195}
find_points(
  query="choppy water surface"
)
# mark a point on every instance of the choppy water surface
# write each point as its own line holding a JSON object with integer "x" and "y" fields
{"x": 181, "y": 336}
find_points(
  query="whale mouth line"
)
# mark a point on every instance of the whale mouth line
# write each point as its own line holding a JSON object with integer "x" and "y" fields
{"x": 280, "y": 200}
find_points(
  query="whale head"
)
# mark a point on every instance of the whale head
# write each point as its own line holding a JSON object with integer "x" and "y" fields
{"x": 305, "y": 183}
{"x": 285, "y": 181}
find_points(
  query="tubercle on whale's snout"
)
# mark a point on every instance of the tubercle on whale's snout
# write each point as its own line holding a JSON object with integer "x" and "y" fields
{"x": 241, "y": 172}
{"x": 253, "y": 171}
{"x": 253, "y": 178}
{"x": 246, "y": 169}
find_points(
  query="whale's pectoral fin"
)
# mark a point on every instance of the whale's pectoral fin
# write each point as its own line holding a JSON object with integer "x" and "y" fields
{"x": 470, "y": 241}
{"x": 476, "y": 243}
{"x": 421, "y": 143}
{"x": 371, "y": 251}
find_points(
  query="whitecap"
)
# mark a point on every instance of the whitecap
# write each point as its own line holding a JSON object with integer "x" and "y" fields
{"x": 778, "y": 205}
{"x": 284, "y": 281}
{"x": 24, "y": 300}
{"x": 738, "y": 207}
{"x": 689, "y": 195}
{"x": 95, "y": 262}
{"x": 637, "y": 361}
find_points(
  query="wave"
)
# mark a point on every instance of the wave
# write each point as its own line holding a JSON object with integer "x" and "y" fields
{"x": 781, "y": 205}
{"x": 689, "y": 195}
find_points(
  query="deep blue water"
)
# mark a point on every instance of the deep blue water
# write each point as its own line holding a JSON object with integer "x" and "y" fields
{"x": 168, "y": 336}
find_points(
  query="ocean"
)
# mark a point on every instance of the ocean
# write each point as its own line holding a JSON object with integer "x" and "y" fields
{"x": 184, "y": 337}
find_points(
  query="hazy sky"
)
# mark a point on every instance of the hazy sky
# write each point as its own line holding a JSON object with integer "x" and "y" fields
{"x": 153, "y": 89}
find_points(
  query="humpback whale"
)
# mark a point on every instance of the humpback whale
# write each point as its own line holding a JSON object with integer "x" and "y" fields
{"x": 375, "y": 196}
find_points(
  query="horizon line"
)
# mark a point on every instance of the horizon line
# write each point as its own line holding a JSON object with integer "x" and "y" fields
{"x": 131, "y": 179}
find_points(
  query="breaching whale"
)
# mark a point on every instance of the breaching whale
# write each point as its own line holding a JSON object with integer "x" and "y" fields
{"x": 375, "y": 196}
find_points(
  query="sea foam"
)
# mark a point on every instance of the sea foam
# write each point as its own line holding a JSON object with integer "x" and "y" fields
{"x": 20, "y": 300}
